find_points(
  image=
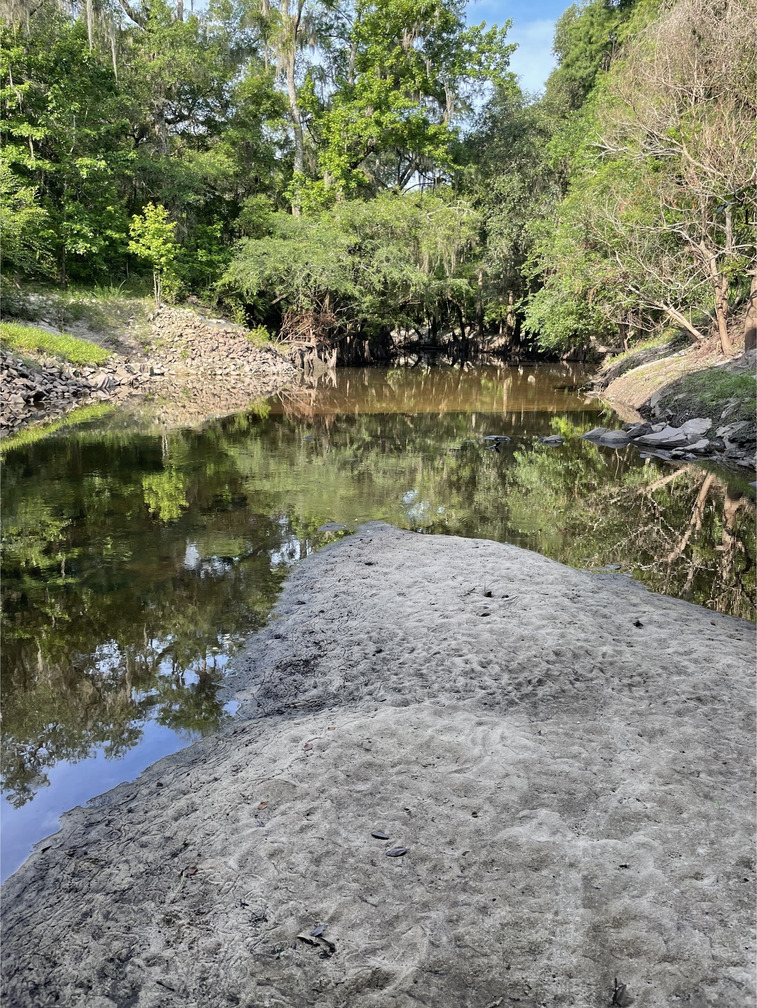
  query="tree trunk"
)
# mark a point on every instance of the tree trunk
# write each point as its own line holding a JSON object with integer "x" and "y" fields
{"x": 510, "y": 319}
{"x": 112, "y": 33}
{"x": 480, "y": 308}
{"x": 290, "y": 30}
{"x": 722, "y": 308}
{"x": 680, "y": 318}
{"x": 90, "y": 20}
{"x": 461, "y": 323}
{"x": 721, "y": 314}
{"x": 750, "y": 323}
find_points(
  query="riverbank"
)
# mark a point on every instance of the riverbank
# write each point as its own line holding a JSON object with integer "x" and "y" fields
{"x": 555, "y": 762}
{"x": 671, "y": 385}
{"x": 193, "y": 366}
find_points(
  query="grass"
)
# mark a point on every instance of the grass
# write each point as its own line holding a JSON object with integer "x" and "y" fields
{"x": 30, "y": 435}
{"x": 30, "y": 339}
{"x": 112, "y": 313}
{"x": 707, "y": 392}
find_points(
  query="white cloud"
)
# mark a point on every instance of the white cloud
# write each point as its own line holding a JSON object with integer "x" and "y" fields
{"x": 532, "y": 61}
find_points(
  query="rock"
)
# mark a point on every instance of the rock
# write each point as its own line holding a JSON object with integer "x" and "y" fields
{"x": 696, "y": 427}
{"x": 638, "y": 428}
{"x": 699, "y": 446}
{"x": 729, "y": 408}
{"x": 614, "y": 438}
{"x": 552, "y": 441}
{"x": 730, "y": 429}
{"x": 668, "y": 437}
{"x": 594, "y": 434}
{"x": 655, "y": 400}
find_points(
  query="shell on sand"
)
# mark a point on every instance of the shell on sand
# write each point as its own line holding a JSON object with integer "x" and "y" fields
{"x": 566, "y": 757}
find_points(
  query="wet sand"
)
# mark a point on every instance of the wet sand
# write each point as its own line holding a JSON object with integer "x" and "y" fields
{"x": 566, "y": 758}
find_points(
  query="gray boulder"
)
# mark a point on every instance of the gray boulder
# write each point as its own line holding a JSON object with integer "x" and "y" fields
{"x": 668, "y": 437}
{"x": 700, "y": 446}
{"x": 553, "y": 440}
{"x": 697, "y": 427}
{"x": 729, "y": 430}
{"x": 594, "y": 434}
{"x": 615, "y": 438}
{"x": 637, "y": 429}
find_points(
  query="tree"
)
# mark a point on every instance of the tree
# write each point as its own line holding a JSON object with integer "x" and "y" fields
{"x": 414, "y": 68}
{"x": 684, "y": 106}
{"x": 24, "y": 227}
{"x": 372, "y": 263}
{"x": 152, "y": 239}
{"x": 63, "y": 131}
{"x": 589, "y": 37}
{"x": 657, "y": 219}
{"x": 508, "y": 175}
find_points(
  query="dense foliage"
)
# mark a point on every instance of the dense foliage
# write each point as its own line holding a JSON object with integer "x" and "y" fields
{"x": 377, "y": 164}
{"x": 657, "y": 221}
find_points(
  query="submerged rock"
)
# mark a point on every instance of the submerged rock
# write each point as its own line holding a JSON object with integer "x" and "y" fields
{"x": 607, "y": 437}
{"x": 615, "y": 438}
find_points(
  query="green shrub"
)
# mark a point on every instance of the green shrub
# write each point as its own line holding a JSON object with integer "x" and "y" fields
{"x": 31, "y": 339}
{"x": 259, "y": 336}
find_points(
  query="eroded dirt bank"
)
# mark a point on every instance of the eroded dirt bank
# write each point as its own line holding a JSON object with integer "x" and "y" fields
{"x": 692, "y": 384}
{"x": 566, "y": 758}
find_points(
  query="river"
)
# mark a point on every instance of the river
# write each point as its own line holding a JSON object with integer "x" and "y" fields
{"x": 138, "y": 555}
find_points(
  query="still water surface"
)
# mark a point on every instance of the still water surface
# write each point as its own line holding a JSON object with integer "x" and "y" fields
{"x": 138, "y": 557}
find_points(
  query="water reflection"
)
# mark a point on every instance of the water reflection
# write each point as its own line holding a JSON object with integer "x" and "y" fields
{"x": 137, "y": 556}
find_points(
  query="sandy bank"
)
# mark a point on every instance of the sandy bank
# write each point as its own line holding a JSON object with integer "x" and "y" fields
{"x": 567, "y": 759}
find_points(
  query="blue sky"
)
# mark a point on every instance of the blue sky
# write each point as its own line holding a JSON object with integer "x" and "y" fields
{"x": 533, "y": 27}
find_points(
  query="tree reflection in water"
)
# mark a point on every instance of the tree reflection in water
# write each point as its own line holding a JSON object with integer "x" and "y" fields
{"x": 137, "y": 557}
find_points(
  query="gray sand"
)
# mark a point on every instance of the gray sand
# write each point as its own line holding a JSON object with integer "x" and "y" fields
{"x": 575, "y": 792}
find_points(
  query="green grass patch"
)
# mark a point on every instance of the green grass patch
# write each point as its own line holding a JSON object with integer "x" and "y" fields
{"x": 30, "y": 435}
{"x": 709, "y": 391}
{"x": 116, "y": 312}
{"x": 30, "y": 339}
